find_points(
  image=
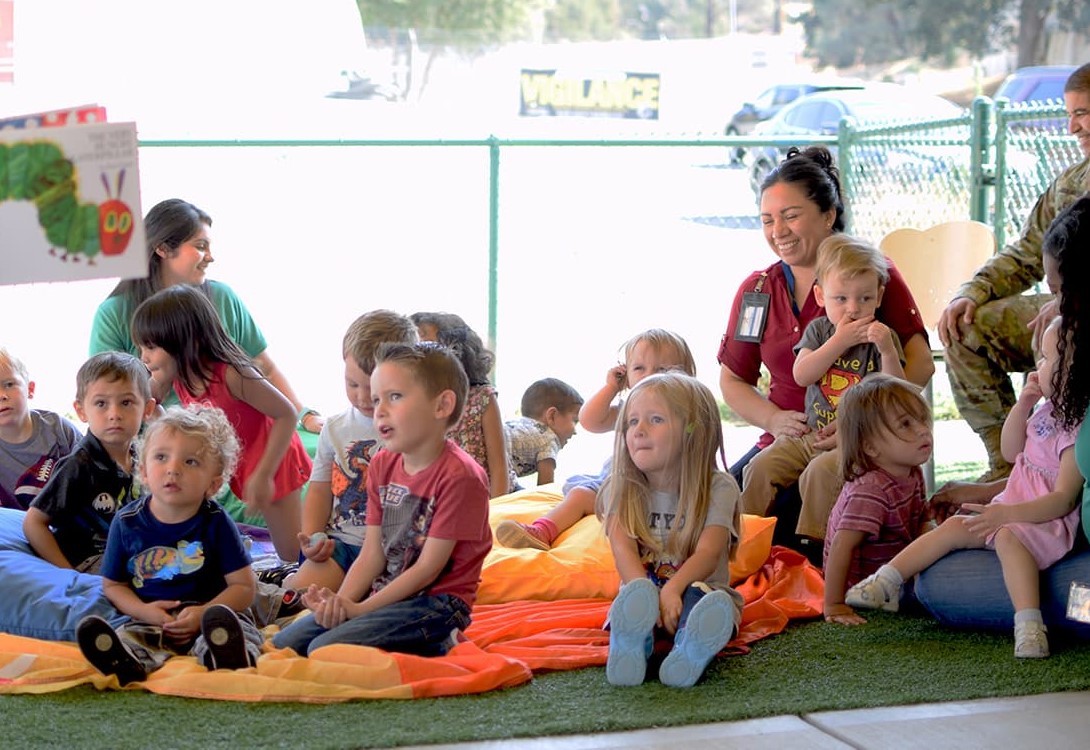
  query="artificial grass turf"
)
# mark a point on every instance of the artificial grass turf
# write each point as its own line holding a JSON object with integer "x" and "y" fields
{"x": 896, "y": 659}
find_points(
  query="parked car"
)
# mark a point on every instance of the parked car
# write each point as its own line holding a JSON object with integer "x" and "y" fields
{"x": 820, "y": 114}
{"x": 771, "y": 101}
{"x": 1040, "y": 83}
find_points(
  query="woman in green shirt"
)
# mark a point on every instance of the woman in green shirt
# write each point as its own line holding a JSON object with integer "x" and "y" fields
{"x": 179, "y": 252}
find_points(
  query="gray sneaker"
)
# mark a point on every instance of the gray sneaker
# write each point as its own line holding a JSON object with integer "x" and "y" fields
{"x": 874, "y": 593}
{"x": 1030, "y": 641}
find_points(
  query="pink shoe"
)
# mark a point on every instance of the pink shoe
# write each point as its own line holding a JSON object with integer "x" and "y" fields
{"x": 521, "y": 536}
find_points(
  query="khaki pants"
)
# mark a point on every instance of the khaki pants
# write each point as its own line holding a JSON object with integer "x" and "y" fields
{"x": 789, "y": 460}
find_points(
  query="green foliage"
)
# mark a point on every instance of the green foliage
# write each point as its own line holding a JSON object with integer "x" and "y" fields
{"x": 452, "y": 21}
{"x": 583, "y": 20}
{"x": 847, "y": 32}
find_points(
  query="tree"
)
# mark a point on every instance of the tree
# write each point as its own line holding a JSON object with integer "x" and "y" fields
{"x": 414, "y": 26}
{"x": 880, "y": 31}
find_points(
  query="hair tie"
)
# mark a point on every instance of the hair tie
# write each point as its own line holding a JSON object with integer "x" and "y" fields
{"x": 689, "y": 428}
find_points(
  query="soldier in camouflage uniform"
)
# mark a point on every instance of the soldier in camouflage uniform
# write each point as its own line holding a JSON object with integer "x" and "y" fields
{"x": 990, "y": 328}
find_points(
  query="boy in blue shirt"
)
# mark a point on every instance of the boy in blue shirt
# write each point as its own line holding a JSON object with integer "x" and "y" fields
{"x": 174, "y": 560}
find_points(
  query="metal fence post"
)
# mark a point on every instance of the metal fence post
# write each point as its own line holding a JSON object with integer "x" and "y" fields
{"x": 999, "y": 220}
{"x": 493, "y": 241}
{"x": 982, "y": 170}
{"x": 844, "y": 137}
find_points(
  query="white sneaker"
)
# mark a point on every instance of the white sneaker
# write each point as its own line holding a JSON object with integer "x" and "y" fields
{"x": 1030, "y": 641}
{"x": 874, "y": 593}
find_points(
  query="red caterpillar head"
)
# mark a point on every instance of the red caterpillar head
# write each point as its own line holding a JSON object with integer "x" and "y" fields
{"x": 114, "y": 220}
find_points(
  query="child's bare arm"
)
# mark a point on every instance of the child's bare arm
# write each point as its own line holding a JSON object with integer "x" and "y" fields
{"x": 495, "y": 447}
{"x": 263, "y": 396}
{"x": 626, "y": 554}
{"x": 699, "y": 565}
{"x": 546, "y": 471}
{"x": 1056, "y": 504}
{"x": 811, "y": 364}
{"x": 1013, "y": 438}
{"x": 599, "y": 413}
{"x": 433, "y": 558}
{"x": 836, "y": 577}
{"x": 37, "y": 531}
{"x": 367, "y": 566}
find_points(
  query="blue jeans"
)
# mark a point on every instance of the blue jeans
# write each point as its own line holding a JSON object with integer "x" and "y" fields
{"x": 421, "y": 625}
{"x": 965, "y": 589}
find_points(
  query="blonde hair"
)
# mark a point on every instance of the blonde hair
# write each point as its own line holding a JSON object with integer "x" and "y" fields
{"x": 207, "y": 423}
{"x": 15, "y": 364}
{"x": 848, "y": 256}
{"x": 660, "y": 339}
{"x": 370, "y": 330}
{"x": 694, "y": 406}
{"x": 867, "y": 408}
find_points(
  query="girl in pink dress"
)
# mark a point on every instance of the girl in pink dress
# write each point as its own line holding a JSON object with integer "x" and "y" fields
{"x": 185, "y": 347}
{"x": 1028, "y": 537}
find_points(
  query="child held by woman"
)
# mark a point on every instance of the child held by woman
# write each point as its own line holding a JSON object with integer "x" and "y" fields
{"x": 649, "y": 352}
{"x": 1027, "y": 539}
{"x": 186, "y": 348}
{"x": 885, "y": 435}
{"x": 672, "y": 519}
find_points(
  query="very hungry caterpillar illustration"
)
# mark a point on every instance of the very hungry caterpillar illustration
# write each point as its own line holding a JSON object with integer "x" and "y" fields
{"x": 38, "y": 171}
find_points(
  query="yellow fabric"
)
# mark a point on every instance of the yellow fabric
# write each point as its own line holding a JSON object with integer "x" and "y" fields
{"x": 580, "y": 564}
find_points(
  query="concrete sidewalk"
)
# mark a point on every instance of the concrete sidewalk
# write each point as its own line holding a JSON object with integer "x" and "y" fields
{"x": 1056, "y": 721}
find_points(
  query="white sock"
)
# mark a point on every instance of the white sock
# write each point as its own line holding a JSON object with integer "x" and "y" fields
{"x": 1028, "y": 615}
{"x": 889, "y": 574}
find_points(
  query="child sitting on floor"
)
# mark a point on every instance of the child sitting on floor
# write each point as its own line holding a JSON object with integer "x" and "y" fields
{"x": 31, "y": 440}
{"x": 1027, "y": 538}
{"x": 335, "y": 507}
{"x": 672, "y": 520}
{"x": 885, "y": 435}
{"x": 174, "y": 560}
{"x": 550, "y": 412}
{"x": 92, "y": 483}
{"x": 652, "y": 351}
{"x": 413, "y": 586}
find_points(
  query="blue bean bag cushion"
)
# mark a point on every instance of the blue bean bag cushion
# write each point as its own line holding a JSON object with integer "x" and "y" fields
{"x": 38, "y": 599}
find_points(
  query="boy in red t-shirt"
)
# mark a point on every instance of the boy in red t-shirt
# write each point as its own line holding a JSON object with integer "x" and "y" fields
{"x": 415, "y": 581}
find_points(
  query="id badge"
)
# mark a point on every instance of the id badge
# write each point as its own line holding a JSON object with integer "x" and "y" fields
{"x": 1078, "y": 602}
{"x": 753, "y": 317}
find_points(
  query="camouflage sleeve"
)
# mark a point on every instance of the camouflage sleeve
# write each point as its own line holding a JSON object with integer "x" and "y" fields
{"x": 1018, "y": 266}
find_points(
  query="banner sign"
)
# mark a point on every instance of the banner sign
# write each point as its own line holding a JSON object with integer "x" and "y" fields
{"x": 551, "y": 93}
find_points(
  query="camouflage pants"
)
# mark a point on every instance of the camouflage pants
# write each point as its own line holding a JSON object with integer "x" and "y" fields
{"x": 997, "y": 343}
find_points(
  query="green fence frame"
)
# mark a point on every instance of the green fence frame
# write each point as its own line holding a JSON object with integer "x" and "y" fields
{"x": 986, "y": 148}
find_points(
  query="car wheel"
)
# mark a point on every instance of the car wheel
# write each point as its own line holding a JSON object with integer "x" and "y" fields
{"x": 757, "y": 174}
{"x": 736, "y": 152}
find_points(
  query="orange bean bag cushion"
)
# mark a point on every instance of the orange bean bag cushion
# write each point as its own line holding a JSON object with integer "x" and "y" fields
{"x": 580, "y": 564}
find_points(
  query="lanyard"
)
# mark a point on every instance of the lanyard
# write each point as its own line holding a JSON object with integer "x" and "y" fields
{"x": 789, "y": 277}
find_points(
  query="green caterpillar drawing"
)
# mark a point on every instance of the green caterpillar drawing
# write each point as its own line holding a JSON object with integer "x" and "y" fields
{"x": 38, "y": 171}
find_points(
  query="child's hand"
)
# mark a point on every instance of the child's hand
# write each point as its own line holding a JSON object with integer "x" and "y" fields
{"x": 826, "y": 437}
{"x": 987, "y": 519}
{"x": 851, "y": 332}
{"x": 319, "y": 552}
{"x": 258, "y": 491}
{"x": 159, "y": 613}
{"x": 332, "y": 611}
{"x": 879, "y": 334}
{"x": 669, "y": 609}
{"x": 617, "y": 378}
{"x": 842, "y": 614}
{"x": 1031, "y": 389}
{"x": 186, "y": 624}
